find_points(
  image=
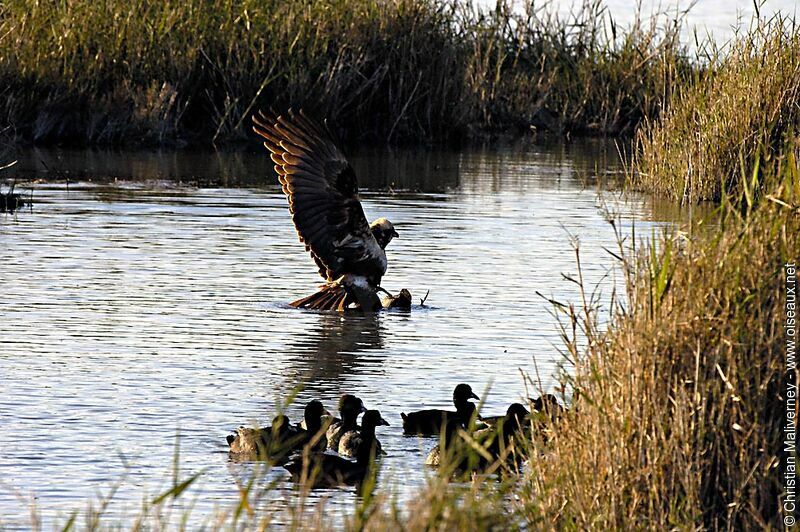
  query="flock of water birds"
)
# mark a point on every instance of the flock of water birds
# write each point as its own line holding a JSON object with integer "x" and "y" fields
{"x": 326, "y": 451}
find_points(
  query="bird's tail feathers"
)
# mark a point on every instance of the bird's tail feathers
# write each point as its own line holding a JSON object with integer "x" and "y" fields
{"x": 331, "y": 296}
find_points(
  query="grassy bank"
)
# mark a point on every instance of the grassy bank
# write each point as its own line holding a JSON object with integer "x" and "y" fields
{"x": 406, "y": 70}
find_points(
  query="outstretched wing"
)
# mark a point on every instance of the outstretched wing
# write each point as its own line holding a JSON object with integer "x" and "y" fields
{"x": 322, "y": 191}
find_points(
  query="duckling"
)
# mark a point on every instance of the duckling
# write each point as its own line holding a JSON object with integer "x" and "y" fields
{"x": 326, "y": 470}
{"x": 351, "y": 441}
{"x": 490, "y": 422}
{"x": 454, "y": 452}
{"x": 281, "y": 439}
{"x": 545, "y": 404}
{"x": 430, "y": 422}
{"x": 494, "y": 443}
{"x": 274, "y": 443}
{"x": 325, "y": 419}
{"x": 549, "y": 405}
{"x": 448, "y": 439}
{"x": 350, "y": 407}
{"x": 401, "y": 301}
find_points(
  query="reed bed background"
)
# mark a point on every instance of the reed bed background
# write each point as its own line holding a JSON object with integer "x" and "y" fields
{"x": 737, "y": 114}
{"x": 416, "y": 71}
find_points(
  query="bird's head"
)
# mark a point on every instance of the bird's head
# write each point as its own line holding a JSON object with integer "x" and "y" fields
{"x": 350, "y": 406}
{"x": 463, "y": 393}
{"x": 383, "y": 231}
{"x": 515, "y": 418}
{"x": 313, "y": 412}
{"x": 280, "y": 424}
{"x": 372, "y": 419}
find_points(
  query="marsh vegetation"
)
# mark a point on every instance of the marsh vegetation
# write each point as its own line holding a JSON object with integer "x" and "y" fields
{"x": 408, "y": 71}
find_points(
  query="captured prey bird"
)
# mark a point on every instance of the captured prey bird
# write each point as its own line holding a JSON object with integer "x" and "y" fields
{"x": 323, "y": 199}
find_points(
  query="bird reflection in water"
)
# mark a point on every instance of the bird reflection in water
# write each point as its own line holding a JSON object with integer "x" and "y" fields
{"x": 338, "y": 346}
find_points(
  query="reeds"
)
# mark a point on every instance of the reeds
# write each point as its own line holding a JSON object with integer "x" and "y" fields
{"x": 382, "y": 71}
{"x": 737, "y": 115}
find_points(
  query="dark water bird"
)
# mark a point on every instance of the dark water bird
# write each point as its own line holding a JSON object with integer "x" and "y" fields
{"x": 487, "y": 446}
{"x": 314, "y": 432}
{"x": 430, "y": 422}
{"x": 350, "y": 407}
{"x": 547, "y": 404}
{"x": 281, "y": 439}
{"x": 326, "y": 470}
{"x": 507, "y": 433}
{"x": 402, "y": 301}
{"x": 462, "y": 452}
{"x": 322, "y": 190}
{"x": 352, "y": 441}
{"x": 491, "y": 421}
{"x": 449, "y": 442}
{"x": 9, "y": 202}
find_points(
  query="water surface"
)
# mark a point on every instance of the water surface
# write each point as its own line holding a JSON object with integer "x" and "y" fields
{"x": 145, "y": 296}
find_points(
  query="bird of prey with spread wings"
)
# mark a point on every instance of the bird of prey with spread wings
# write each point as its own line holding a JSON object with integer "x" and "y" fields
{"x": 323, "y": 200}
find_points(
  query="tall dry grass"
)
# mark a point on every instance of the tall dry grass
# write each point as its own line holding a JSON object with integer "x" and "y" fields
{"x": 382, "y": 71}
{"x": 736, "y": 115}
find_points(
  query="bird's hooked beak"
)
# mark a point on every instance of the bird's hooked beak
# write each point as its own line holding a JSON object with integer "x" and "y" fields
{"x": 473, "y": 396}
{"x": 394, "y": 233}
{"x": 383, "y": 422}
{"x": 362, "y": 409}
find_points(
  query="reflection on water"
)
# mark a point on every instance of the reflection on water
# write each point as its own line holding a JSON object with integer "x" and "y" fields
{"x": 147, "y": 294}
{"x": 335, "y": 346}
{"x": 418, "y": 170}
